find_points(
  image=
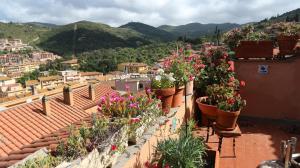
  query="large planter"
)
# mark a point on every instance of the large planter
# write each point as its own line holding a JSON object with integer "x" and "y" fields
{"x": 166, "y": 97}
{"x": 254, "y": 49}
{"x": 286, "y": 44}
{"x": 189, "y": 88}
{"x": 177, "y": 98}
{"x": 209, "y": 111}
{"x": 227, "y": 120}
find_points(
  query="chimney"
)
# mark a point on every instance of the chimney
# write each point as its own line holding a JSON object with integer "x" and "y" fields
{"x": 46, "y": 106}
{"x": 33, "y": 90}
{"x": 68, "y": 96}
{"x": 92, "y": 94}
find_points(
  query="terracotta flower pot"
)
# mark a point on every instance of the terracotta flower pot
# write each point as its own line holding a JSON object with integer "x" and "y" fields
{"x": 209, "y": 111}
{"x": 227, "y": 120}
{"x": 177, "y": 98}
{"x": 254, "y": 49}
{"x": 166, "y": 97}
{"x": 286, "y": 44}
{"x": 189, "y": 88}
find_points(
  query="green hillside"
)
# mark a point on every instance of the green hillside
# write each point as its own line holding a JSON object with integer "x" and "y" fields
{"x": 196, "y": 30}
{"x": 150, "y": 32}
{"x": 288, "y": 16}
{"x": 28, "y": 33}
{"x": 88, "y": 36}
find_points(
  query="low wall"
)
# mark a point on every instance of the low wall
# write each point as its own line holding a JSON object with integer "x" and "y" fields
{"x": 136, "y": 155}
{"x": 272, "y": 93}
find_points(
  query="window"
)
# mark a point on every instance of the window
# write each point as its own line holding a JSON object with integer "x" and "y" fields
{"x": 141, "y": 86}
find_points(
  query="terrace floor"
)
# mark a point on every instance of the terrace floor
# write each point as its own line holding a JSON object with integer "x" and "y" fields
{"x": 260, "y": 141}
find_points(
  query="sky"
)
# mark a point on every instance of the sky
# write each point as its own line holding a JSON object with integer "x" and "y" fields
{"x": 152, "y": 12}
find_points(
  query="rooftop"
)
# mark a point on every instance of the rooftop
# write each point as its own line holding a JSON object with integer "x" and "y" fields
{"x": 260, "y": 141}
{"x": 25, "y": 128}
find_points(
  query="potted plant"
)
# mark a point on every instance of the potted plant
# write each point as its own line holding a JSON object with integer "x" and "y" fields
{"x": 208, "y": 104}
{"x": 288, "y": 38}
{"x": 182, "y": 74}
{"x": 229, "y": 111}
{"x": 138, "y": 111}
{"x": 184, "y": 151}
{"x": 163, "y": 85}
{"x": 249, "y": 43}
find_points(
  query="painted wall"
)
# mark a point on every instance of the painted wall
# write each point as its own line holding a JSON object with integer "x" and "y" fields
{"x": 274, "y": 95}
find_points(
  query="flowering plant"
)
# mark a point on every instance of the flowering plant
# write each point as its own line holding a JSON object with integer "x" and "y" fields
{"x": 163, "y": 80}
{"x": 233, "y": 37}
{"x": 216, "y": 93}
{"x": 126, "y": 106}
{"x": 181, "y": 67}
{"x": 216, "y": 69}
{"x": 232, "y": 103}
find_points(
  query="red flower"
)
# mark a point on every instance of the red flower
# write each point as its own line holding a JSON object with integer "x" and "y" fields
{"x": 135, "y": 120}
{"x": 113, "y": 147}
{"x": 230, "y": 101}
{"x": 167, "y": 166}
{"x": 242, "y": 83}
{"x": 147, "y": 164}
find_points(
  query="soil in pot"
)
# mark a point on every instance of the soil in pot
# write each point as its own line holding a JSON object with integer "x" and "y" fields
{"x": 209, "y": 111}
{"x": 166, "y": 97}
{"x": 177, "y": 98}
{"x": 227, "y": 120}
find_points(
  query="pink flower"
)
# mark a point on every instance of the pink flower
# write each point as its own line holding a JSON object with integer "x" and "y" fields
{"x": 148, "y": 91}
{"x": 135, "y": 120}
{"x": 231, "y": 79}
{"x": 167, "y": 166}
{"x": 99, "y": 108}
{"x": 103, "y": 99}
{"x": 113, "y": 147}
{"x": 242, "y": 83}
{"x": 181, "y": 50}
{"x": 202, "y": 66}
{"x": 127, "y": 87}
{"x": 191, "y": 78}
{"x": 133, "y": 105}
{"x": 231, "y": 66}
{"x": 130, "y": 97}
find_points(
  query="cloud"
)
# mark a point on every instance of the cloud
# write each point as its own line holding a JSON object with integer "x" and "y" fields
{"x": 153, "y": 12}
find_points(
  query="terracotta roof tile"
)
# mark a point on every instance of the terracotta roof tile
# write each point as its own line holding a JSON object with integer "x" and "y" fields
{"x": 24, "y": 129}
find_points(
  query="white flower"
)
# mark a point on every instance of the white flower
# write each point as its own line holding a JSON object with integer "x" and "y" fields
{"x": 171, "y": 79}
{"x": 160, "y": 71}
{"x": 158, "y": 77}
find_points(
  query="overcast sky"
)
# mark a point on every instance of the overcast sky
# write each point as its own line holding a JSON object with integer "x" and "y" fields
{"x": 153, "y": 12}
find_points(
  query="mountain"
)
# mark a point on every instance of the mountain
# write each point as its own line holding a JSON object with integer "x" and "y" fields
{"x": 86, "y": 36}
{"x": 150, "y": 32}
{"x": 40, "y": 24}
{"x": 288, "y": 16}
{"x": 196, "y": 30}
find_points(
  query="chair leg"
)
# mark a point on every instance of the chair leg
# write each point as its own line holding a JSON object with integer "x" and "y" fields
{"x": 234, "y": 147}
{"x": 207, "y": 132}
{"x": 220, "y": 144}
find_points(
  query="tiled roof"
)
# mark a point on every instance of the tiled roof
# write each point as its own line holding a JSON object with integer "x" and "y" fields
{"x": 31, "y": 82}
{"x": 24, "y": 127}
{"x": 90, "y": 73}
{"x": 50, "y": 78}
